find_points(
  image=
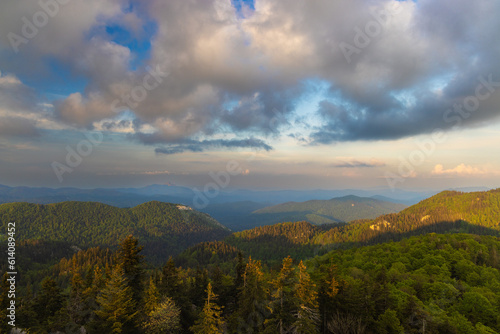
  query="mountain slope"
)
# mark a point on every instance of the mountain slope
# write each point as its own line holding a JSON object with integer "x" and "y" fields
{"x": 446, "y": 212}
{"x": 165, "y": 228}
{"x": 430, "y": 284}
{"x": 342, "y": 209}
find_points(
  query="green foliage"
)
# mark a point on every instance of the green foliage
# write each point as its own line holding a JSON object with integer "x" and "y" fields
{"x": 388, "y": 323}
{"x": 275, "y": 242}
{"x": 164, "y": 318}
{"x": 210, "y": 320}
{"x": 307, "y": 313}
{"x": 253, "y": 301}
{"x": 432, "y": 283}
{"x": 117, "y": 308}
{"x": 443, "y": 283}
{"x": 207, "y": 254}
{"x": 48, "y": 305}
{"x": 447, "y": 212}
{"x": 165, "y": 228}
{"x": 131, "y": 261}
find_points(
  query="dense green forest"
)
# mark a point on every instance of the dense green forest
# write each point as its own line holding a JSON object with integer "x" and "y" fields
{"x": 166, "y": 229}
{"x": 432, "y": 283}
{"x": 342, "y": 209}
{"x": 393, "y": 274}
{"x": 446, "y": 212}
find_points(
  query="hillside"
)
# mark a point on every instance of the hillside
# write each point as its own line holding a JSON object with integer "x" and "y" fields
{"x": 342, "y": 209}
{"x": 274, "y": 242}
{"x": 166, "y": 228}
{"x": 363, "y": 281}
{"x": 446, "y": 212}
{"x": 425, "y": 284}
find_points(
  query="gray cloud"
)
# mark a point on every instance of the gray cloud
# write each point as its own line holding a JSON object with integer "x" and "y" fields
{"x": 17, "y": 127}
{"x": 357, "y": 164}
{"x": 218, "y": 143}
{"x": 246, "y": 75}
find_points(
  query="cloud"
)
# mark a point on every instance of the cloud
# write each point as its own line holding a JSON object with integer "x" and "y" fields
{"x": 354, "y": 163}
{"x": 245, "y": 72}
{"x": 17, "y": 127}
{"x": 217, "y": 143}
{"x": 156, "y": 172}
{"x": 460, "y": 170}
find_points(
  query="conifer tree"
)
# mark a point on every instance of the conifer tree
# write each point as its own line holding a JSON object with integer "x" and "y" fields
{"x": 49, "y": 300}
{"x": 306, "y": 295}
{"x": 131, "y": 262}
{"x": 198, "y": 290}
{"x": 328, "y": 287}
{"x": 284, "y": 303}
{"x": 240, "y": 270}
{"x": 76, "y": 305}
{"x": 210, "y": 320}
{"x": 26, "y": 316}
{"x": 152, "y": 297}
{"x": 170, "y": 280}
{"x": 253, "y": 308}
{"x": 117, "y": 307}
{"x": 163, "y": 319}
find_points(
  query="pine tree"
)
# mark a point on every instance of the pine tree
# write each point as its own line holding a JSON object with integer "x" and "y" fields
{"x": 76, "y": 306}
{"x": 253, "y": 308}
{"x": 284, "y": 303}
{"x": 240, "y": 270}
{"x": 328, "y": 289}
{"x": 152, "y": 297}
{"x": 48, "y": 302}
{"x": 117, "y": 307}
{"x": 307, "y": 313}
{"x": 26, "y": 316}
{"x": 164, "y": 318}
{"x": 210, "y": 320}
{"x": 170, "y": 280}
{"x": 198, "y": 290}
{"x": 132, "y": 263}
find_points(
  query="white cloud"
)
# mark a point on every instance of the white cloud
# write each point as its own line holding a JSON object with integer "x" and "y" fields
{"x": 460, "y": 170}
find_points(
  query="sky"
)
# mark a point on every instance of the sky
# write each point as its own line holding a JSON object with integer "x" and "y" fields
{"x": 274, "y": 94}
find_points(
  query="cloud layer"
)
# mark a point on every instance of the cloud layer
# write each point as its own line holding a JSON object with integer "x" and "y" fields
{"x": 242, "y": 73}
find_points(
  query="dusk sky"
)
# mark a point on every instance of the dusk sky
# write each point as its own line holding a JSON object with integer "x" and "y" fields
{"x": 297, "y": 94}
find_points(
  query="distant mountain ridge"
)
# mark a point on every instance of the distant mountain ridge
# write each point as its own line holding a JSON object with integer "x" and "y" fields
{"x": 128, "y": 197}
{"x": 341, "y": 209}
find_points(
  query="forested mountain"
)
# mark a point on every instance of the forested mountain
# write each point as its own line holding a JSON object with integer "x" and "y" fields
{"x": 386, "y": 275}
{"x": 342, "y": 209}
{"x": 166, "y": 228}
{"x": 426, "y": 284}
{"x": 446, "y": 212}
{"x": 274, "y": 242}
{"x": 208, "y": 255}
{"x": 433, "y": 283}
